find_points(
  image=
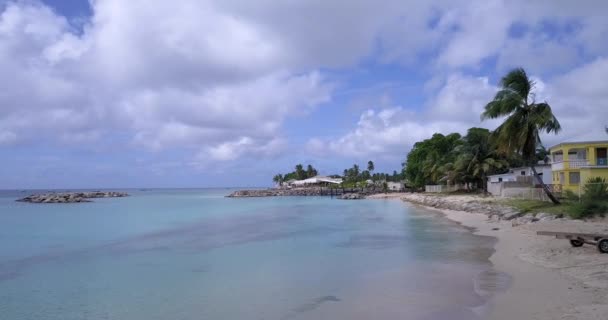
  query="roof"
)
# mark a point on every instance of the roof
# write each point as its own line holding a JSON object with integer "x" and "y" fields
{"x": 512, "y": 170}
{"x": 502, "y": 174}
{"x": 579, "y": 142}
{"x": 317, "y": 179}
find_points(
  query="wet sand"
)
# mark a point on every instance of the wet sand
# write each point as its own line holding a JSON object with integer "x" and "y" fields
{"x": 550, "y": 279}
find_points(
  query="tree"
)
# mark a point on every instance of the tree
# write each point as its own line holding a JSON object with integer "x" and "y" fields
{"x": 278, "y": 179}
{"x": 300, "y": 173}
{"x": 426, "y": 161}
{"x": 310, "y": 171}
{"x": 365, "y": 175}
{"x": 476, "y": 160}
{"x": 370, "y": 166}
{"x": 519, "y": 133}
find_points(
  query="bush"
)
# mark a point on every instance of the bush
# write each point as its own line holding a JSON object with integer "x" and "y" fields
{"x": 589, "y": 208}
{"x": 594, "y": 200}
{"x": 569, "y": 195}
{"x": 595, "y": 189}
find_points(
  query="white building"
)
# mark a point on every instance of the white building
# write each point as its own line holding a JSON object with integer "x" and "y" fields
{"x": 318, "y": 180}
{"x": 544, "y": 170}
{"x": 395, "y": 186}
{"x": 518, "y": 180}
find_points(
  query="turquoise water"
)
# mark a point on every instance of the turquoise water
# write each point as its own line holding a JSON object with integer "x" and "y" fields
{"x": 193, "y": 254}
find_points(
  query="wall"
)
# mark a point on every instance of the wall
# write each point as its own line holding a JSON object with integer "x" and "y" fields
{"x": 587, "y": 173}
{"x": 499, "y": 188}
{"x": 441, "y": 188}
{"x": 525, "y": 193}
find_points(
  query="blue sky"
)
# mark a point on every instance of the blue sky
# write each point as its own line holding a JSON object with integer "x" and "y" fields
{"x": 216, "y": 93}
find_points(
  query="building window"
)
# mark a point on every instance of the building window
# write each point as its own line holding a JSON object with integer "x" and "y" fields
{"x": 523, "y": 173}
{"x": 558, "y": 156}
{"x": 499, "y": 179}
{"x": 575, "y": 177}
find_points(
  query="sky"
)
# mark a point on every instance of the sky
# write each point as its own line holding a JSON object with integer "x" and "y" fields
{"x": 219, "y": 93}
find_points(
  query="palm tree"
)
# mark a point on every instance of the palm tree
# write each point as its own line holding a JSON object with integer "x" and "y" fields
{"x": 278, "y": 179}
{"x": 525, "y": 119}
{"x": 300, "y": 173}
{"x": 370, "y": 166}
{"x": 310, "y": 171}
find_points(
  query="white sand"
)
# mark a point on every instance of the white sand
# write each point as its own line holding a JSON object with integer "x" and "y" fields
{"x": 551, "y": 279}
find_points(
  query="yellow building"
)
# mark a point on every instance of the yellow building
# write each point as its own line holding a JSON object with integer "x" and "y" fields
{"x": 573, "y": 163}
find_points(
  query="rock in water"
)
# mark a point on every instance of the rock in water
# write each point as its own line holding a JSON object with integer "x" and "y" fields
{"x": 71, "y": 197}
{"x": 351, "y": 196}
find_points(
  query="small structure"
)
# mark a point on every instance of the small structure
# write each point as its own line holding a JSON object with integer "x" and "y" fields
{"x": 515, "y": 174}
{"x": 395, "y": 186}
{"x": 289, "y": 183}
{"x": 519, "y": 182}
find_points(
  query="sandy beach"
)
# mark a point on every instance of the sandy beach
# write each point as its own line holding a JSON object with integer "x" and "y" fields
{"x": 550, "y": 279}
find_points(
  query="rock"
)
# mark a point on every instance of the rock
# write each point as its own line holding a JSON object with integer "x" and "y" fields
{"x": 71, "y": 197}
{"x": 510, "y": 215}
{"x": 351, "y": 196}
{"x": 309, "y": 191}
{"x": 523, "y": 220}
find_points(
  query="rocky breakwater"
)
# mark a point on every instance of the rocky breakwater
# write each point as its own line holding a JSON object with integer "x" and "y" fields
{"x": 70, "y": 197}
{"x": 351, "y": 196}
{"x": 296, "y": 192}
{"x": 475, "y": 204}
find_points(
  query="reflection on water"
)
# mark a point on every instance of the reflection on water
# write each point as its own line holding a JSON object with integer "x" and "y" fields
{"x": 192, "y": 254}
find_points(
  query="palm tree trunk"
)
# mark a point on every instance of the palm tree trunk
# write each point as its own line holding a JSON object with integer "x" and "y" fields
{"x": 545, "y": 188}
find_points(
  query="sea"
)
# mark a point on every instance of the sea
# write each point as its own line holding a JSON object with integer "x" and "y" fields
{"x": 194, "y": 254}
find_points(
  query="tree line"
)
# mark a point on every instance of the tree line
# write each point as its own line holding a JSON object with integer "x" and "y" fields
{"x": 470, "y": 159}
{"x": 350, "y": 175}
{"x": 298, "y": 174}
{"x": 454, "y": 159}
{"x": 354, "y": 174}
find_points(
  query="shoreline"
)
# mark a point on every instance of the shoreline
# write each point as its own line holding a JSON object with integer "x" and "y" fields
{"x": 549, "y": 278}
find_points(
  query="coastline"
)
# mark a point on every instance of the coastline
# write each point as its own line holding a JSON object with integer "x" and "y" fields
{"x": 550, "y": 279}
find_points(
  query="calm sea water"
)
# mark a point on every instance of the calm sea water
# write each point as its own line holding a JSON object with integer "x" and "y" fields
{"x": 193, "y": 254}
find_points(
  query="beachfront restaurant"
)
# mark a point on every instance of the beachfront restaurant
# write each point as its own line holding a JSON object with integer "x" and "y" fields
{"x": 318, "y": 181}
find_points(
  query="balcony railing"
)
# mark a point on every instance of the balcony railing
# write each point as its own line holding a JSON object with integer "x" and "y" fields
{"x": 570, "y": 164}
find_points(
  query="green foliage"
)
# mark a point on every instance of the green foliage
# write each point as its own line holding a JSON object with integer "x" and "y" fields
{"x": 299, "y": 173}
{"x": 519, "y": 133}
{"x": 355, "y": 175}
{"x": 425, "y": 162}
{"x": 454, "y": 159}
{"x": 278, "y": 179}
{"x": 594, "y": 200}
{"x": 596, "y": 189}
{"x": 589, "y": 208}
{"x": 570, "y": 195}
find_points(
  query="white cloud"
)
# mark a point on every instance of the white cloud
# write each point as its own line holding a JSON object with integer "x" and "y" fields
{"x": 198, "y": 77}
{"x": 462, "y": 98}
{"x": 221, "y": 77}
{"x": 390, "y": 132}
{"x": 578, "y": 99}
{"x": 538, "y": 52}
{"x": 481, "y": 30}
